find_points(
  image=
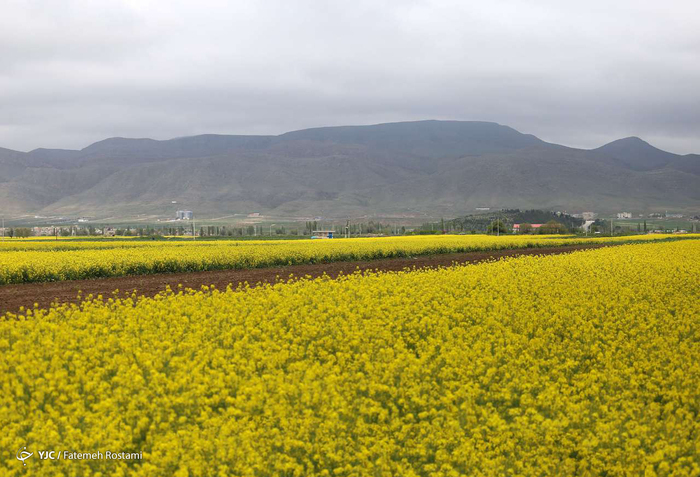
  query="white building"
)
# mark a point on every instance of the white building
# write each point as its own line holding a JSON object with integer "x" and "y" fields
{"x": 624, "y": 215}
{"x": 184, "y": 215}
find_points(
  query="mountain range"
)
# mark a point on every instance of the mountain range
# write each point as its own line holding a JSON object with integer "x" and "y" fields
{"x": 410, "y": 168}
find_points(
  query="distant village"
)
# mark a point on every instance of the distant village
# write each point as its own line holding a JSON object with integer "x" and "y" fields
{"x": 508, "y": 221}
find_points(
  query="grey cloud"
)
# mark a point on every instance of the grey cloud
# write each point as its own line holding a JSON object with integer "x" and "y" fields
{"x": 577, "y": 73}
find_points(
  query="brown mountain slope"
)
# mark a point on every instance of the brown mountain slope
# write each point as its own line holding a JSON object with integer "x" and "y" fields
{"x": 425, "y": 167}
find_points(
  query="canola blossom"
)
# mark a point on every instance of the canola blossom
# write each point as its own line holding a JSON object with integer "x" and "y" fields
{"x": 48, "y": 260}
{"x": 582, "y": 364}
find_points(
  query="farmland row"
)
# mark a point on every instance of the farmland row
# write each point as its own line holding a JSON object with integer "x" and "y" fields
{"x": 55, "y": 261}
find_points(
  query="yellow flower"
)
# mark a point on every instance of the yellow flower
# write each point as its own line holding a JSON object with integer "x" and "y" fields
{"x": 578, "y": 364}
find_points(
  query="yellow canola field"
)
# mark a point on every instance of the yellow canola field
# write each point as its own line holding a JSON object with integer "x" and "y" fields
{"x": 583, "y": 364}
{"x": 39, "y": 261}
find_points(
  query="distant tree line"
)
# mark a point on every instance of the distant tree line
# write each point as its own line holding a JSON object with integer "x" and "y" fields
{"x": 257, "y": 230}
{"x": 18, "y": 232}
{"x": 550, "y": 228}
{"x": 535, "y": 216}
{"x": 502, "y": 221}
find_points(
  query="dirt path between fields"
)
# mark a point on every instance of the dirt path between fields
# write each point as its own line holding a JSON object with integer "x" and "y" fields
{"x": 12, "y": 297}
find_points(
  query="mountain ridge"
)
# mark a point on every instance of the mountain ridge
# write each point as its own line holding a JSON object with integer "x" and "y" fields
{"x": 628, "y": 139}
{"x": 410, "y": 168}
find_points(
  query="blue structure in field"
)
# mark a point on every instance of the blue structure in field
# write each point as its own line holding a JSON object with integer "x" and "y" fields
{"x": 322, "y": 234}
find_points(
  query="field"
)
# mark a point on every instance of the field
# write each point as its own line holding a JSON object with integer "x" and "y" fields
{"x": 16, "y": 297}
{"x": 24, "y": 261}
{"x": 579, "y": 364}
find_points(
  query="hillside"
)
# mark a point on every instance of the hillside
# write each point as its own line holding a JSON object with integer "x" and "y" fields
{"x": 412, "y": 168}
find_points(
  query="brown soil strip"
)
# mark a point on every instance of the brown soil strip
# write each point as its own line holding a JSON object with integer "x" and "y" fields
{"x": 12, "y": 297}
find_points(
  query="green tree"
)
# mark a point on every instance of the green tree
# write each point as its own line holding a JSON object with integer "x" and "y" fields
{"x": 497, "y": 227}
{"x": 553, "y": 227}
{"x": 526, "y": 228}
{"x": 22, "y": 232}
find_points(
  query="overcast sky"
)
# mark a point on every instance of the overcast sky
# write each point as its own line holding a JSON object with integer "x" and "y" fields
{"x": 579, "y": 73}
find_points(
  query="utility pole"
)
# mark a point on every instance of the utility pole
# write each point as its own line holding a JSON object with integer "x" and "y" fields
{"x": 194, "y": 229}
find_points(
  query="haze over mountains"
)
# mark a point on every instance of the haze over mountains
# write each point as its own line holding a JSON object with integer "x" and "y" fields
{"x": 410, "y": 168}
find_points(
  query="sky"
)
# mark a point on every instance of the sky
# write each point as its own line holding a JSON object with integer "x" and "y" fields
{"x": 582, "y": 74}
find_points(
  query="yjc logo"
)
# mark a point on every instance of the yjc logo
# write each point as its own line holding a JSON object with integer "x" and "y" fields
{"x": 23, "y": 455}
